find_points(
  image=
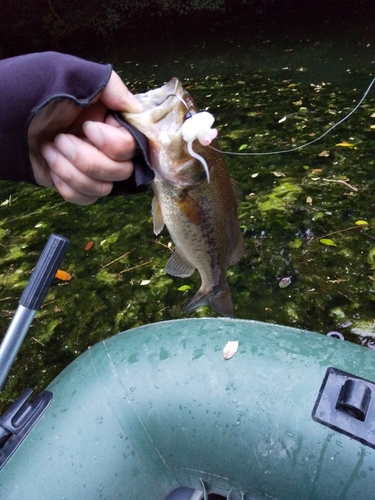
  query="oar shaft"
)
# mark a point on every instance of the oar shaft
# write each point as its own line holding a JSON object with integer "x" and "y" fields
{"x": 13, "y": 339}
{"x": 30, "y": 301}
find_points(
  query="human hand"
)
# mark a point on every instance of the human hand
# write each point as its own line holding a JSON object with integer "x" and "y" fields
{"x": 79, "y": 150}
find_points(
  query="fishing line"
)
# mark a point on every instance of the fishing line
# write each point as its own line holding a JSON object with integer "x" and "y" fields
{"x": 183, "y": 102}
{"x": 308, "y": 143}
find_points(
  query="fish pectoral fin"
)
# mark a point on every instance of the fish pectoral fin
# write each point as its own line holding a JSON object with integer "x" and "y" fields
{"x": 178, "y": 265}
{"x": 239, "y": 249}
{"x": 218, "y": 299}
{"x": 190, "y": 209}
{"x": 157, "y": 216}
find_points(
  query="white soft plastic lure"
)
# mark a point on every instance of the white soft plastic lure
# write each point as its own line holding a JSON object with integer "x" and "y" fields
{"x": 199, "y": 127}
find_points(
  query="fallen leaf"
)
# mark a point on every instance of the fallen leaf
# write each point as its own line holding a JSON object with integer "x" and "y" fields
{"x": 89, "y": 245}
{"x": 145, "y": 282}
{"x": 63, "y": 275}
{"x": 282, "y": 119}
{"x": 284, "y": 282}
{"x": 339, "y": 280}
{"x": 297, "y": 103}
{"x": 309, "y": 200}
{"x": 278, "y": 174}
{"x": 345, "y": 144}
{"x": 324, "y": 153}
{"x": 328, "y": 242}
{"x": 361, "y": 223}
{"x": 243, "y": 146}
{"x": 7, "y": 202}
{"x": 230, "y": 349}
{"x": 254, "y": 175}
{"x": 183, "y": 288}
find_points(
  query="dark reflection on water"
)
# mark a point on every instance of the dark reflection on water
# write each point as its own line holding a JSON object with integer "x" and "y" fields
{"x": 250, "y": 75}
{"x": 328, "y": 43}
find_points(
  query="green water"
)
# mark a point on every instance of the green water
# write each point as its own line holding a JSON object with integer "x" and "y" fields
{"x": 289, "y": 202}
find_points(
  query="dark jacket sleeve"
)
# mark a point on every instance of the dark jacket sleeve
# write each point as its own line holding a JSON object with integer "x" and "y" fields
{"x": 29, "y": 82}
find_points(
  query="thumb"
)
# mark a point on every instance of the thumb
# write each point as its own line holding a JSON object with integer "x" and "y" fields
{"x": 117, "y": 97}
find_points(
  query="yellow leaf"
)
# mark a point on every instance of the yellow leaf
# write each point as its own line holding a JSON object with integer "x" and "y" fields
{"x": 345, "y": 144}
{"x": 361, "y": 223}
{"x": 328, "y": 242}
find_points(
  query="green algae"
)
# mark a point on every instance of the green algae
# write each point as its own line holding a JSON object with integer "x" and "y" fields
{"x": 295, "y": 200}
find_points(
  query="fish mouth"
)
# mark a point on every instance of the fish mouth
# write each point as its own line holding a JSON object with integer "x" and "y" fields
{"x": 163, "y": 97}
{"x": 164, "y": 110}
{"x": 166, "y": 107}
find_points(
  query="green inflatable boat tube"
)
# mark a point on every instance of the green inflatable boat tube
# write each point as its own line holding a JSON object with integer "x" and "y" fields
{"x": 158, "y": 408}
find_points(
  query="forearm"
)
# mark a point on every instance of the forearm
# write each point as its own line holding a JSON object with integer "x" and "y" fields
{"x": 29, "y": 82}
{"x": 28, "y": 86}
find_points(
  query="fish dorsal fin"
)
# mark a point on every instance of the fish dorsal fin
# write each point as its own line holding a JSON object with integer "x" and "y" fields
{"x": 157, "y": 216}
{"x": 178, "y": 265}
{"x": 239, "y": 249}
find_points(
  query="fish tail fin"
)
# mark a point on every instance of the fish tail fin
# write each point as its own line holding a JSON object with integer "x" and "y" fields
{"x": 218, "y": 299}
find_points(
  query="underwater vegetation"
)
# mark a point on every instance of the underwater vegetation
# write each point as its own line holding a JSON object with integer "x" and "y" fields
{"x": 307, "y": 218}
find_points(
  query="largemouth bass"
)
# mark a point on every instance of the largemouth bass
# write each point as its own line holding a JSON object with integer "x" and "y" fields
{"x": 194, "y": 196}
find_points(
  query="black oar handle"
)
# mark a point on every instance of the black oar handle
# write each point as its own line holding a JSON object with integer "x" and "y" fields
{"x": 44, "y": 272}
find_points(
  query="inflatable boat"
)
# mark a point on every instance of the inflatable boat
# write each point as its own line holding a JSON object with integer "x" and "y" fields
{"x": 167, "y": 412}
{"x": 158, "y": 413}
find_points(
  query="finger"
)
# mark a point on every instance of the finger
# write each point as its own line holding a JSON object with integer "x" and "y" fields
{"x": 114, "y": 141}
{"x": 71, "y": 195}
{"x": 90, "y": 161}
{"x": 116, "y": 96}
{"x": 72, "y": 176}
